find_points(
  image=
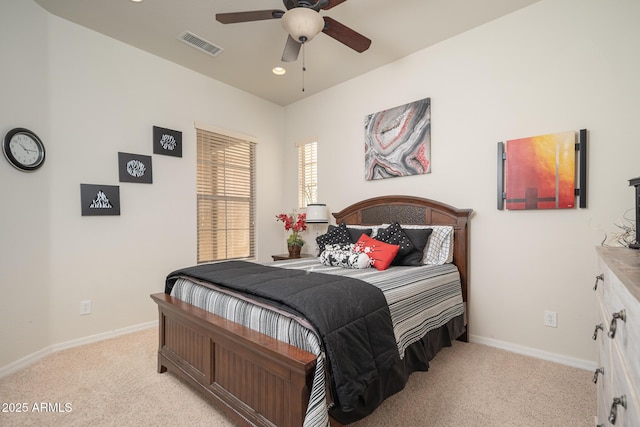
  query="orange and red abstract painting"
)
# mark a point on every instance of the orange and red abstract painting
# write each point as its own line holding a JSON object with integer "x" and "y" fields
{"x": 540, "y": 172}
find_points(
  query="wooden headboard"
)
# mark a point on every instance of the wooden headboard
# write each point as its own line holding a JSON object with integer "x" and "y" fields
{"x": 418, "y": 211}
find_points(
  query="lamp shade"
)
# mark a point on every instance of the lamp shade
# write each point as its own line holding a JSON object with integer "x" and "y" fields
{"x": 317, "y": 213}
{"x": 302, "y": 24}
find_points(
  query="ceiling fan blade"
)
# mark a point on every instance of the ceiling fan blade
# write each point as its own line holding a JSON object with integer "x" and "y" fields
{"x": 333, "y": 3}
{"x": 291, "y": 50}
{"x": 345, "y": 35}
{"x": 255, "y": 15}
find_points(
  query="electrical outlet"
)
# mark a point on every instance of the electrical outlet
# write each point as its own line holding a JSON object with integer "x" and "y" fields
{"x": 85, "y": 307}
{"x": 551, "y": 319}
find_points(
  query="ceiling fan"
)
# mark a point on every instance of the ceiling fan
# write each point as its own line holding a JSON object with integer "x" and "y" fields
{"x": 302, "y": 21}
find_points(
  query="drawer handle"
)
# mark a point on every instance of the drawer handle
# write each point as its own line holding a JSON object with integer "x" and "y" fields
{"x": 622, "y": 400}
{"x": 622, "y": 315}
{"x": 595, "y": 332}
{"x": 595, "y": 374}
{"x": 598, "y": 277}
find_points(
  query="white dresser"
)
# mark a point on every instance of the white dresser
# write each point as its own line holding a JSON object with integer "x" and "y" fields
{"x": 617, "y": 333}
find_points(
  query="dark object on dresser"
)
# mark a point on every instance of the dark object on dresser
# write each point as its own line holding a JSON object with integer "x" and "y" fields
{"x": 636, "y": 183}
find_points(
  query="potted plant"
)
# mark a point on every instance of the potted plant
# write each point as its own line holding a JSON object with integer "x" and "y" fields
{"x": 296, "y": 223}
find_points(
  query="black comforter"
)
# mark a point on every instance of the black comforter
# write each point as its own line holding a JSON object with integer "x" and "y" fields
{"x": 351, "y": 316}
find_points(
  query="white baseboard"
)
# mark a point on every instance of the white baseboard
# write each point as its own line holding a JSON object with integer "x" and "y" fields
{"x": 528, "y": 351}
{"x": 34, "y": 357}
{"x": 514, "y": 348}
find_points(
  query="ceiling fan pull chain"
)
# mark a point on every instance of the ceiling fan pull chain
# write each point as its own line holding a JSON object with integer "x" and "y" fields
{"x": 303, "y": 66}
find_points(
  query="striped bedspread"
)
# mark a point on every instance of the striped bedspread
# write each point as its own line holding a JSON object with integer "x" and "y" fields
{"x": 420, "y": 299}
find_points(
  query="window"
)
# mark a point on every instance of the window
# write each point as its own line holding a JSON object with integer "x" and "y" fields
{"x": 226, "y": 196}
{"x": 308, "y": 173}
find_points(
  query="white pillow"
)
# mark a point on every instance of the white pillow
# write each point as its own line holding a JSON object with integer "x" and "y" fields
{"x": 344, "y": 256}
{"x": 439, "y": 249}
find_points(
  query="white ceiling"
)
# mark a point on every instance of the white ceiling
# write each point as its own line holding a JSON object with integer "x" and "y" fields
{"x": 396, "y": 28}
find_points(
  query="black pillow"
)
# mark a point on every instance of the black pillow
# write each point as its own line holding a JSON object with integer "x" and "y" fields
{"x": 419, "y": 238}
{"x": 354, "y": 233}
{"x": 336, "y": 236}
{"x": 395, "y": 235}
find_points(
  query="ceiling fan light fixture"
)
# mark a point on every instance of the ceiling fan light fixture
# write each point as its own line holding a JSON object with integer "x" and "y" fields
{"x": 302, "y": 24}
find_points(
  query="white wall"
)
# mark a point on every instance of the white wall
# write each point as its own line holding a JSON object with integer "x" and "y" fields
{"x": 89, "y": 97}
{"x": 25, "y": 199}
{"x": 557, "y": 65}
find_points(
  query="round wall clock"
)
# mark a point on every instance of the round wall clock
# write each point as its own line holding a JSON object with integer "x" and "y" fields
{"x": 23, "y": 149}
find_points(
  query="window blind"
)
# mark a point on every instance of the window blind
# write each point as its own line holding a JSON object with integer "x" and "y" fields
{"x": 226, "y": 197}
{"x": 308, "y": 174}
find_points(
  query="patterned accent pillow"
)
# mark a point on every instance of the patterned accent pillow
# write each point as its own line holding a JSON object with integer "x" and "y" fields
{"x": 381, "y": 253}
{"x": 440, "y": 247}
{"x": 395, "y": 235}
{"x": 336, "y": 236}
{"x": 344, "y": 256}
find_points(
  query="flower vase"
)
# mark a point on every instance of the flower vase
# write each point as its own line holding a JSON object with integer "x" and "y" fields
{"x": 294, "y": 251}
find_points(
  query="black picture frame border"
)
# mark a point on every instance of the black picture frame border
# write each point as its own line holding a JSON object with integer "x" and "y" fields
{"x": 89, "y": 194}
{"x": 125, "y": 176}
{"x": 161, "y": 147}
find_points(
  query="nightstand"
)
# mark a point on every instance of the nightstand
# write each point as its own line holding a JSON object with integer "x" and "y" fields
{"x": 286, "y": 256}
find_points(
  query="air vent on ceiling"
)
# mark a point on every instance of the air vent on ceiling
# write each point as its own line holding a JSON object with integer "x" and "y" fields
{"x": 200, "y": 43}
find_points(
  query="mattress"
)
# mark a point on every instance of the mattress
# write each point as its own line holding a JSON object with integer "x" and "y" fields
{"x": 420, "y": 299}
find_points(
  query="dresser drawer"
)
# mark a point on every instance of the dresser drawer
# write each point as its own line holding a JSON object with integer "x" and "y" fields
{"x": 603, "y": 377}
{"x": 628, "y": 415}
{"x": 627, "y": 332}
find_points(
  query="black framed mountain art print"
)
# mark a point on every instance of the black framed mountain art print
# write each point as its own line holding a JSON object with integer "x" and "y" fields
{"x": 99, "y": 200}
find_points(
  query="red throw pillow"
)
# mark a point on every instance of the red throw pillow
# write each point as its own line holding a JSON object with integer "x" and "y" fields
{"x": 381, "y": 253}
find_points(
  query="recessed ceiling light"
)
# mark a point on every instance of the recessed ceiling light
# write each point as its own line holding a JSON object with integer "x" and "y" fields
{"x": 136, "y": 1}
{"x": 279, "y": 71}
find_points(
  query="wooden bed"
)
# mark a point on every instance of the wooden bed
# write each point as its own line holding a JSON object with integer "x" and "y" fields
{"x": 258, "y": 380}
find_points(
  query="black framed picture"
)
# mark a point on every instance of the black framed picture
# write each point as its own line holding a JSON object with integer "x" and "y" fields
{"x": 167, "y": 142}
{"x": 135, "y": 168}
{"x": 99, "y": 199}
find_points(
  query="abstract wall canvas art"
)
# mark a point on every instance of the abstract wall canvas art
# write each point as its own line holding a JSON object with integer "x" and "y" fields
{"x": 540, "y": 172}
{"x": 167, "y": 142}
{"x": 99, "y": 199}
{"x": 135, "y": 168}
{"x": 398, "y": 141}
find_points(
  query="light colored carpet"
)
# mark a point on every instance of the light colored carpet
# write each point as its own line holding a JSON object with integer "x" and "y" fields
{"x": 115, "y": 383}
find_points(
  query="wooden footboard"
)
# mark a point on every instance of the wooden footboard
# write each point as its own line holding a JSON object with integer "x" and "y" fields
{"x": 258, "y": 380}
